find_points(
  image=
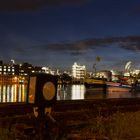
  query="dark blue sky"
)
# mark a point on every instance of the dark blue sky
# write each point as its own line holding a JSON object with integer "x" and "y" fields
{"x": 57, "y": 33}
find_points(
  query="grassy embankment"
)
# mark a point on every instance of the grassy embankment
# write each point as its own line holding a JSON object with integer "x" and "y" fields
{"x": 118, "y": 126}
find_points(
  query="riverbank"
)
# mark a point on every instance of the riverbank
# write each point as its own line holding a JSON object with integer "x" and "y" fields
{"x": 81, "y": 126}
{"x": 113, "y": 119}
{"x": 85, "y": 126}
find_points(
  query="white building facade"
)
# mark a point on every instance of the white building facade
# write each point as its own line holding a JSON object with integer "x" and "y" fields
{"x": 78, "y": 71}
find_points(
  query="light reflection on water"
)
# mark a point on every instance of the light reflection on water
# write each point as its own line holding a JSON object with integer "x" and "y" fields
{"x": 67, "y": 92}
{"x": 18, "y": 93}
{"x": 73, "y": 92}
{"x": 77, "y": 89}
{"x": 13, "y": 93}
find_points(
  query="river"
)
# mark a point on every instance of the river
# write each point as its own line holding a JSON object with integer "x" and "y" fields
{"x": 18, "y": 93}
{"x": 76, "y": 92}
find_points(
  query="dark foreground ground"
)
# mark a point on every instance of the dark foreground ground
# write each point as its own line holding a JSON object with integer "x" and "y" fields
{"x": 103, "y": 119}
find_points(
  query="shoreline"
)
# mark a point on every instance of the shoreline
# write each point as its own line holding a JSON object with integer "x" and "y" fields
{"x": 108, "y": 105}
{"x": 74, "y": 119}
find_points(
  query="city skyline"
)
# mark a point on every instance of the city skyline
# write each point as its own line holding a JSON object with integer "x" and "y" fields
{"x": 57, "y": 33}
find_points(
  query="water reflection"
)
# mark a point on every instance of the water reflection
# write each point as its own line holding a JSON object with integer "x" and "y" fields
{"x": 74, "y": 92}
{"x": 13, "y": 93}
{"x": 77, "y": 92}
{"x": 94, "y": 95}
{"x": 18, "y": 93}
{"x": 63, "y": 92}
{"x": 118, "y": 94}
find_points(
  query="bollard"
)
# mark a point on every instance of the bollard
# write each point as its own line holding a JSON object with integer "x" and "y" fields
{"x": 42, "y": 90}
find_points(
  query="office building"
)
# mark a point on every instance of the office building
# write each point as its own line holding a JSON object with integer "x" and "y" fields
{"x": 78, "y": 71}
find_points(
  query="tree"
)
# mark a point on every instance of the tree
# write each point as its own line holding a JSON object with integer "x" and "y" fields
{"x": 98, "y": 59}
{"x": 65, "y": 78}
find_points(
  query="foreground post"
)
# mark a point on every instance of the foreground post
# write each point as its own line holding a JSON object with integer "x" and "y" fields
{"x": 42, "y": 90}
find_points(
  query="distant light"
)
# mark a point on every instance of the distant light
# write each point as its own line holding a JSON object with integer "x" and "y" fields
{"x": 13, "y": 61}
{"x": 128, "y": 65}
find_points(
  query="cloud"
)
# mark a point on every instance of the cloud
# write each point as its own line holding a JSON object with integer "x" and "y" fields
{"x": 131, "y": 43}
{"x": 72, "y": 47}
{"x": 25, "y": 46}
{"x": 30, "y": 5}
{"x": 83, "y": 51}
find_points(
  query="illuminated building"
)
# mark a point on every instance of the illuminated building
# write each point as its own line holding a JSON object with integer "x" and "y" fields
{"x": 16, "y": 72}
{"x": 106, "y": 74}
{"x": 22, "y": 69}
{"x": 78, "y": 71}
{"x": 116, "y": 75}
{"x": 6, "y": 69}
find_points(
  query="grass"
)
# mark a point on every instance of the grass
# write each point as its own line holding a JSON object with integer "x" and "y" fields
{"x": 119, "y": 126}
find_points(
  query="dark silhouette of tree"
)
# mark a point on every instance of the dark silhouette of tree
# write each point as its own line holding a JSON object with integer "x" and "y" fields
{"x": 98, "y": 59}
{"x": 65, "y": 78}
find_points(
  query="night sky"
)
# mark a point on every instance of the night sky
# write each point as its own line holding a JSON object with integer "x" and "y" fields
{"x": 57, "y": 33}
